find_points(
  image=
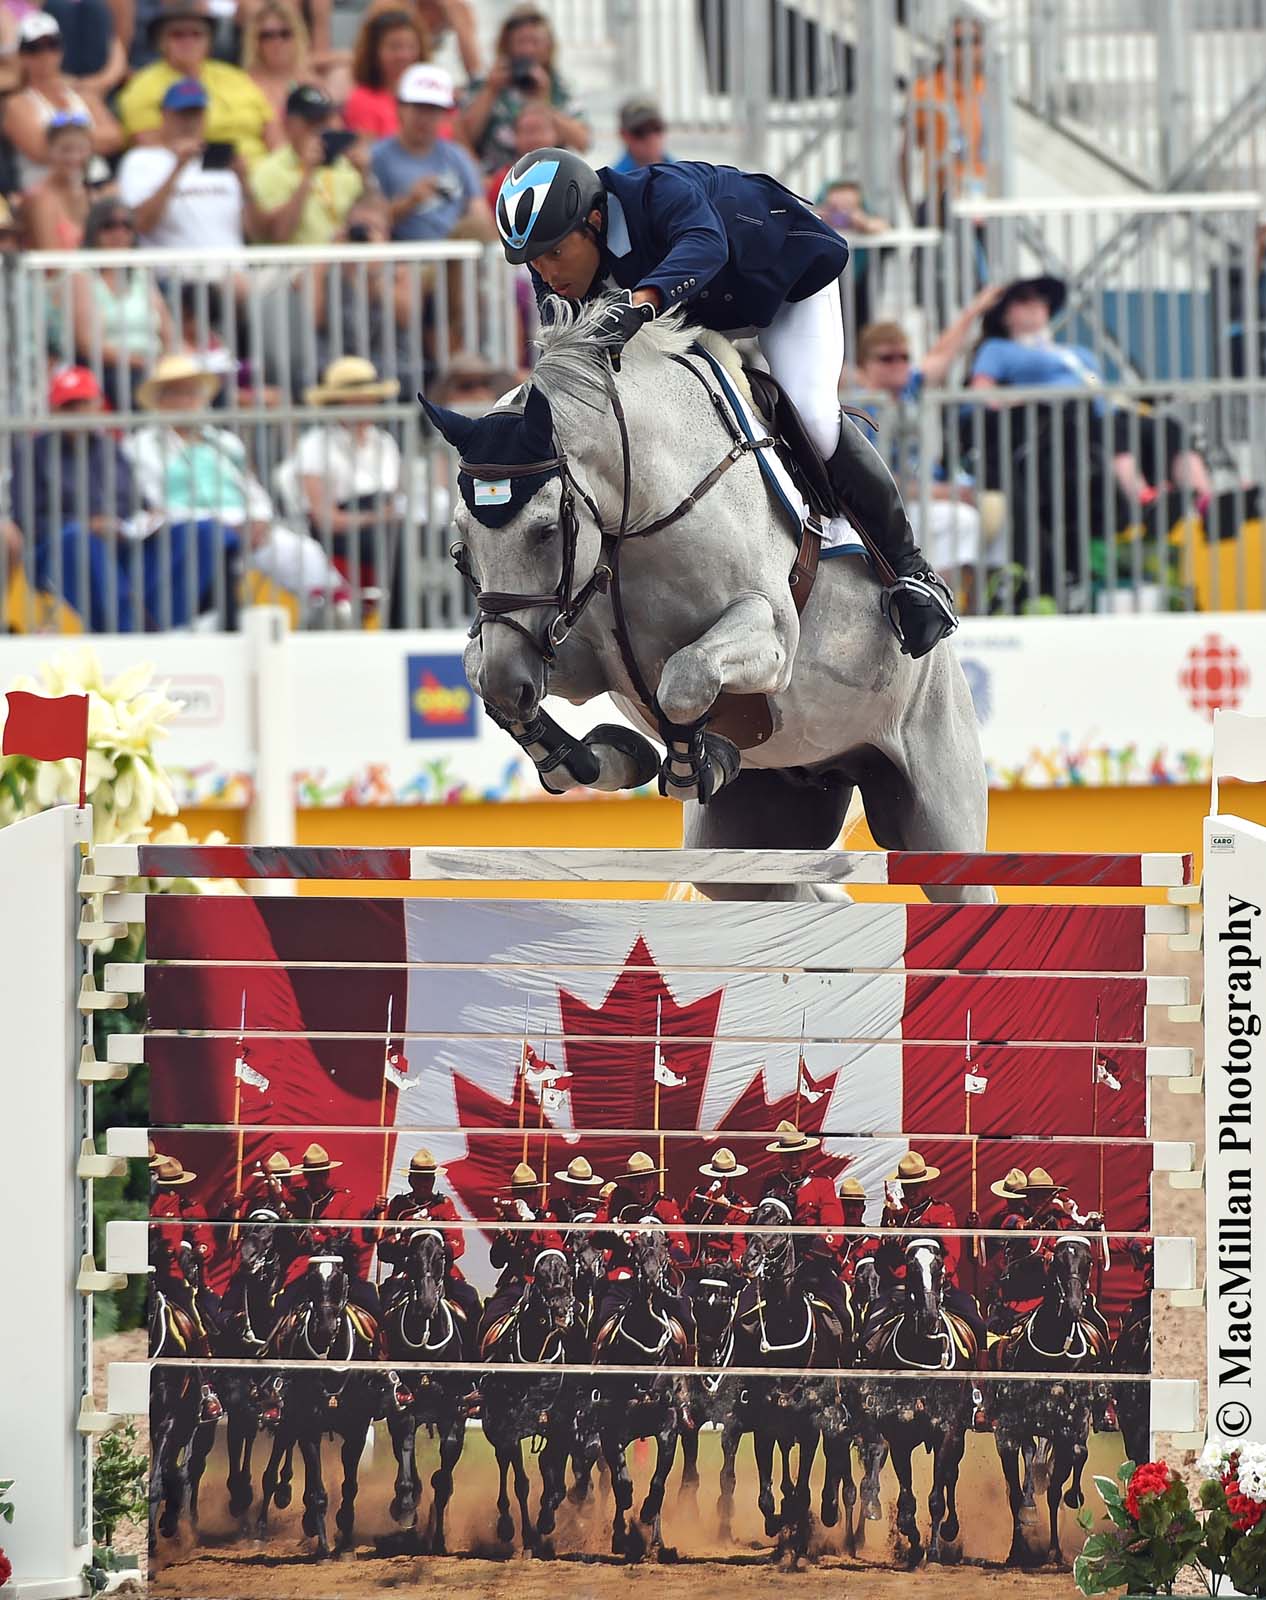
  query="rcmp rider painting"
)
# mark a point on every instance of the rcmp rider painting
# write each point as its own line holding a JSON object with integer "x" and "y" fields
{"x": 741, "y": 254}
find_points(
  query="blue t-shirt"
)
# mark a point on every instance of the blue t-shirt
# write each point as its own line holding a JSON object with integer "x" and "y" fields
{"x": 626, "y": 163}
{"x": 1035, "y": 366}
{"x": 396, "y": 170}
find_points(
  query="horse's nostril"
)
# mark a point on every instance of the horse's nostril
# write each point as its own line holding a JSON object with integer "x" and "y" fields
{"x": 526, "y": 698}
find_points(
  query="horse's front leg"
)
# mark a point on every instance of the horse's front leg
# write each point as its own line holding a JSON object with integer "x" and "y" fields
{"x": 1009, "y": 1455}
{"x": 749, "y": 650}
{"x": 763, "y": 1449}
{"x": 402, "y": 1429}
{"x": 452, "y": 1439}
{"x": 353, "y": 1444}
{"x": 610, "y": 756}
{"x": 943, "y": 1515}
{"x": 731, "y": 1438}
{"x": 907, "y": 1506}
{"x": 315, "y": 1499}
{"x": 613, "y": 1448}
{"x": 665, "y": 1455}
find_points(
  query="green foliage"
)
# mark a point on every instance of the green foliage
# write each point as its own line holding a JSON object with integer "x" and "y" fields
{"x": 1142, "y": 1555}
{"x": 6, "y": 1505}
{"x": 119, "y": 1478}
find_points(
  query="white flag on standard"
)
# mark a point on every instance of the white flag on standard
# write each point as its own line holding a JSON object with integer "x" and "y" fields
{"x": 664, "y": 1074}
{"x": 245, "y": 1073}
{"x": 973, "y": 1084}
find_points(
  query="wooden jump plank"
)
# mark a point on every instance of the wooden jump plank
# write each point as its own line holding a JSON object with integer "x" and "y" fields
{"x": 1046, "y": 869}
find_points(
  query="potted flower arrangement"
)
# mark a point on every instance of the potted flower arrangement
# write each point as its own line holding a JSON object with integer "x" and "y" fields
{"x": 6, "y": 1515}
{"x": 1233, "y": 1497}
{"x": 1155, "y": 1533}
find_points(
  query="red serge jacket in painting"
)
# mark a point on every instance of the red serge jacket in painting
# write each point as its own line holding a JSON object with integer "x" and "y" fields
{"x": 618, "y": 1210}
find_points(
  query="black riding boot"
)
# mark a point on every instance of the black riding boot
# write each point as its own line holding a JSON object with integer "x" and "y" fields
{"x": 919, "y": 606}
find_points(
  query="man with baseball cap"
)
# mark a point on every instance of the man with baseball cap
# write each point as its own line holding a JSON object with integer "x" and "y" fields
{"x": 304, "y": 197}
{"x": 176, "y": 202}
{"x": 642, "y": 132}
{"x": 432, "y": 185}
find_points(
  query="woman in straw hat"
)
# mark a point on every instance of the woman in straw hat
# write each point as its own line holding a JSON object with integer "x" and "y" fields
{"x": 913, "y": 1207}
{"x": 345, "y": 476}
{"x": 199, "y": 477}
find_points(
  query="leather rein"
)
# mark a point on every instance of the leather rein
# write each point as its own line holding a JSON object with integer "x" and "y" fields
{"x": 567, "y": 602}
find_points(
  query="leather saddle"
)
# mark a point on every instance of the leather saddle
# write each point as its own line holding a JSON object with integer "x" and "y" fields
{"x": 747, "y": 719}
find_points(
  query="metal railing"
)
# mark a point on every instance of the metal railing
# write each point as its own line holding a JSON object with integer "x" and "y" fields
{"x": 1071, "y": 500}
{"x": 1160, "y": 287}
{"x": 268, "y": 319}
{"x": 157, "y": 520}
{"x": 1149, "y": 84}
{"x": 1086, "y": 499}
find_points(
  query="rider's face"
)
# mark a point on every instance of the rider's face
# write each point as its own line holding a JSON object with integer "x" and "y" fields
{"x": 422, "y": 1185}
{"x": 641, "y": 1188}
{"x": 571, "y": 266}
{"x": 793, "y": 1165}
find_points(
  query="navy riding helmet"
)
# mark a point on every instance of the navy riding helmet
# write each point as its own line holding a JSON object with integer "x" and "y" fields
{"x": 546, "y": 195}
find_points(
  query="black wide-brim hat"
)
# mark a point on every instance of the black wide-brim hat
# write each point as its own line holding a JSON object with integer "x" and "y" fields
{"x": 177, "y": 11}
{"x": 1053, "y": 290}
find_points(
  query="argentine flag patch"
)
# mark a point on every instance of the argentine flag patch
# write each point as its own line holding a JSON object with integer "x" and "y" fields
{"x": 492, "y": 491}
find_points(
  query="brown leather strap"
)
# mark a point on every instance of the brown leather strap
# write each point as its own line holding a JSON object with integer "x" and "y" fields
{"x": 524, "y": 469}
{"x": 745, "y": 447}
{"x": 805, "y": 567}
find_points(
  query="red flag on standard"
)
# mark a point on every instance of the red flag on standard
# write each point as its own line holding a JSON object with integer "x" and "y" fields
{"x": 48, "y": 730}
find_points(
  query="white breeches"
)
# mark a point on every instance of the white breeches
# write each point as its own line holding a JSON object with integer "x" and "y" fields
{"x": 804, "y": 346}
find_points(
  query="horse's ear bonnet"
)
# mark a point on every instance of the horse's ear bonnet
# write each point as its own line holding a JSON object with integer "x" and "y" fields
{"x": 518, "y": 431}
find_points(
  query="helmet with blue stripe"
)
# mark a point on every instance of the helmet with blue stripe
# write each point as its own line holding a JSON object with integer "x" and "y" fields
{"x": 546, "y": 195}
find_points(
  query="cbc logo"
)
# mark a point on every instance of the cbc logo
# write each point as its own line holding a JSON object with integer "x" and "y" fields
{"x": 1233, "y": 1419}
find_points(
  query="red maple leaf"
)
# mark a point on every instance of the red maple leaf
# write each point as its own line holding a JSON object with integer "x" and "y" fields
{"x": 613, "y": 1086}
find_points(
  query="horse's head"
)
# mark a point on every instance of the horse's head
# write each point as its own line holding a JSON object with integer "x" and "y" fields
{"x": 553, "y": 1288}
{"x": 190, "y": 1264}
{"x": 426, "y": 1267}
{"x": 525, "y": 537}
{"x": 925, "y": 1277}
{"x": 770, "y": 1256}
{"x": 651, "y": 1260}
{"x": 1070, "y": 1271}
{"x": 865, "y": 1282}
{"x": 258, "y": 1245}
{"x": 587, "y": 1256}
{"x": 326, "y": 1293}
{"x": 714, "y": 1302}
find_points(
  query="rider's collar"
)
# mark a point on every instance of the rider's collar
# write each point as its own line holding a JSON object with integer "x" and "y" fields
{"x": 515, "y": 435}
{"x": 616, "y": 237}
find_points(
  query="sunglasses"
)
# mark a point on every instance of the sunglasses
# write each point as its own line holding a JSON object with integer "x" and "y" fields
{"x": 889, "y": 358}
{"x": 196, "y": 32}
{"x": 268, "y": 34}
{"x": 111, "y": 223}
{"x": 40, "y": 47}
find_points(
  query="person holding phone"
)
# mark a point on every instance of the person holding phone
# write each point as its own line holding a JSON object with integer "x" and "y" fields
{"x": 183, "y": 193}
{"x": 524, "y": 71}
{"x": 305, "y": 188}
{"x": 432, "y": 185}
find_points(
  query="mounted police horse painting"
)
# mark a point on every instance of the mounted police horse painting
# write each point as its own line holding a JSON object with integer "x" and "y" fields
{"x": 1065, "y": 1334}
{"x": 622, "y": 538}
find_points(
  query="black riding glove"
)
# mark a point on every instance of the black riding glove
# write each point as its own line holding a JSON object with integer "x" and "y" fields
{"x": 621, "y": 320}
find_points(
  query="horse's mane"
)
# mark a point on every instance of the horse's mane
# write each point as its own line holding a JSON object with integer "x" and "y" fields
{"x": 573, "y": 362}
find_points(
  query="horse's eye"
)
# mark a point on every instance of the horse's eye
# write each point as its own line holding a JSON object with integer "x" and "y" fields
{"x": 545, "y": 534}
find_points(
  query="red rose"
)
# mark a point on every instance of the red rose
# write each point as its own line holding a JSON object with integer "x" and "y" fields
{"x": 1152, "y": 1477}
{"x": 6, "y": 1569}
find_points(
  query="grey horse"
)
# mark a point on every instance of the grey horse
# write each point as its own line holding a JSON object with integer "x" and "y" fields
{"x": 623, "y": 540}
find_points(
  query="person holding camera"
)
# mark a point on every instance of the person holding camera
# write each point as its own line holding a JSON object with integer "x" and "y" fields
{"x": 183, "y": 193}
{"x": 305, "y": 188}
{"x": 523, "y": 71}
{"x": 432, "y": 185}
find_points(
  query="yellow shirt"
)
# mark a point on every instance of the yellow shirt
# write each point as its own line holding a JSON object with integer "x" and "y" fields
{"x": 237, "y": 108}
{"x": 278, "y": 174}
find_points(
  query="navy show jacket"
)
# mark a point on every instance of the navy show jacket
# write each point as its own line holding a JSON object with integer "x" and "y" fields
{"x": 732, "y": 246}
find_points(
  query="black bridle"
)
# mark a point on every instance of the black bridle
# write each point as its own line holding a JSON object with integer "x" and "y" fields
{"x": 496, "y": 606}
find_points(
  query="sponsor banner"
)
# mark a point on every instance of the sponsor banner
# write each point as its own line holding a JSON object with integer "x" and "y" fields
{"x": 1235, "y": 1127}
{"x": 389, "y": 719}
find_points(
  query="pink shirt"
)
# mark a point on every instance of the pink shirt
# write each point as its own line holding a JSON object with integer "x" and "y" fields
{"x": 372, "y": 112}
